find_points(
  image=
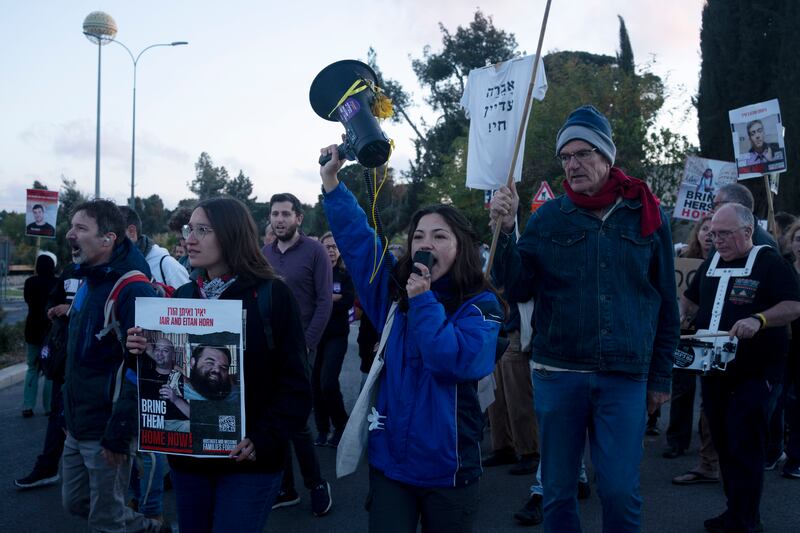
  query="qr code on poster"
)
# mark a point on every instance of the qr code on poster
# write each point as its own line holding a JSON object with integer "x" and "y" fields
{"x": 227, "y": 424}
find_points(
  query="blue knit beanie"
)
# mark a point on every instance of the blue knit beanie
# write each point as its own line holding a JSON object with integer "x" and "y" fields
{"x": 588, "y": 124}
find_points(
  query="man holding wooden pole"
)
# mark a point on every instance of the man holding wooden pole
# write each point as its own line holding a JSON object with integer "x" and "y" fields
{"x": 599, "y": 264}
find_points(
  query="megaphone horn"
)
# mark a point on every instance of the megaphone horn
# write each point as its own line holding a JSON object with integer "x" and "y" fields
{"x": 345, "y": 91}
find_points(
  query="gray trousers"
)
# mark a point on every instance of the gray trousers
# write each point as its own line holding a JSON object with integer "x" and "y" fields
{"x": 95, "y": 490}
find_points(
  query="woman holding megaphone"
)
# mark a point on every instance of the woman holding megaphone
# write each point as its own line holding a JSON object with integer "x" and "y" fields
{"x": 442, "y": 319}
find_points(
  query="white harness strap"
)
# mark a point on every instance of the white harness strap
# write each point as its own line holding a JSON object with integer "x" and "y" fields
{"x": 725, "y": 275}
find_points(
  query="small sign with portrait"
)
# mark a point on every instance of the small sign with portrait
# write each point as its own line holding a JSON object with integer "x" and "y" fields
{"x": 41, "y": 210}
{"x": 701, "y": 179}
{"x": 758, "y": 139}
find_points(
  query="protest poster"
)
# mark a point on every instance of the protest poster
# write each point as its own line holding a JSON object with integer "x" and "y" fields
{"x": 494, "y": 102}
{"x": 190, "y": 378}
{"x": 701, "y": 179}
{"x": 758, "y": 139}
{"x": 685, "y": 271}
{"x": 41, "y": 211}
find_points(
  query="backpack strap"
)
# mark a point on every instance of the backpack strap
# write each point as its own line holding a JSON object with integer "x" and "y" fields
{"x": 264, "y": 300}
{"x": 161, "y": 268}
{"x": 110, "y": 322}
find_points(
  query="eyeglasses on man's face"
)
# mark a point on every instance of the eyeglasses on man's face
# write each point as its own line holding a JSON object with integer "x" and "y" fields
{"x": 199, "y": 231}
{"x": 723, "y": 234}
{"x": 581, "y": 155}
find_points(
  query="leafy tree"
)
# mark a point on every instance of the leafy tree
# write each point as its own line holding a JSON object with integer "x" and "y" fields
{"x": 666, "y": 153}
{"x": 314, "y": 221}
{"x": 241, "y": 188}
{"x": 186, "y": 202}
{"x": 153, "y": 214}
{"x": 12, "y": 227}
{"x": 209, "y": 180}
{"x": 749, "y": 54}
{"x": 445, "y": 73}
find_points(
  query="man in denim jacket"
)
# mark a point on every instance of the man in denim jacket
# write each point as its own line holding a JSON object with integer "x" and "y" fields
{"x": 599, "y": 263}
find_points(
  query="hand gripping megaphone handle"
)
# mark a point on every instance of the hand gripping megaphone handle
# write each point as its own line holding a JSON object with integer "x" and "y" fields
{"x": 323, "y": 159}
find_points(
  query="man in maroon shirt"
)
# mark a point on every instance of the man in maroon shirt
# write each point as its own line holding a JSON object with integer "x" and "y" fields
{"x": 304, "y": 266}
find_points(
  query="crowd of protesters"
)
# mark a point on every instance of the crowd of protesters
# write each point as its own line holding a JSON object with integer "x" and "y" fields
{"x": 576, "y": 324}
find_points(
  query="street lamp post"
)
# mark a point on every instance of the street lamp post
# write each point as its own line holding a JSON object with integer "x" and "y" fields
{"x": 100, "y": 29}
{"x": 131, "y": 200}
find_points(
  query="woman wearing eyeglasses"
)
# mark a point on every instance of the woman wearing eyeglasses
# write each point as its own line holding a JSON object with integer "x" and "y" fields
{"x": 328, "y": 403}
{"x": 237, "y": 494}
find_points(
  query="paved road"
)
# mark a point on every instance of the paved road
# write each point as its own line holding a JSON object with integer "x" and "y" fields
{"x": 16, "y": 310}
{"x": 667, "y": 508}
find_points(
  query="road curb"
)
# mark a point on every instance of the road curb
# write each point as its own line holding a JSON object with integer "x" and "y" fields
{"x": 11, "y": 375}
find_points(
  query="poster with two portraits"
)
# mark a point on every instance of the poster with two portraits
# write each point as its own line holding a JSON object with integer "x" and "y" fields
{"x": 191, "y": 389}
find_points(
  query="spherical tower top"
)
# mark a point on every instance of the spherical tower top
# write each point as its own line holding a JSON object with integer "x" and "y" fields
{"x": 99, "y": 27}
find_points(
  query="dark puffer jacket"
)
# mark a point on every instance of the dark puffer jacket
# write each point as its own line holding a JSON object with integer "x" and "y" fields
{"x": 92, "y": 364}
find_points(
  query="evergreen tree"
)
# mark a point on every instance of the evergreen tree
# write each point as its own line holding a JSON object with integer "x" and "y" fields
{"x": 749, "y": 54}
{"x": 241, "y": 188}
{"x": 625, "y": 54}
{"x": 209, "y": 180}
{"x": 788, "y": 82}
{"x": 154, "y": 217}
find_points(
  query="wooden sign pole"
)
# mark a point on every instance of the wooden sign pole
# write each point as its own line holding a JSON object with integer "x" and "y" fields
{"x": 771, "y": 227}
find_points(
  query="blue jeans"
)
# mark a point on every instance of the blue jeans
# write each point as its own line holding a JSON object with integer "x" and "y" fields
{"x": 536, "y": 488}
{"x": 209, "y": 503}
{"x": 147, "y": 482}
{"x": 612, "y": 407}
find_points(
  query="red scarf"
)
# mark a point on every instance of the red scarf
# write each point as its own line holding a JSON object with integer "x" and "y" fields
{"x": 619, "y": 184}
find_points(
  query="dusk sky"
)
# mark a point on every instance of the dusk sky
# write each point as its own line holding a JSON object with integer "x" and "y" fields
{"x": 239, "y": 90}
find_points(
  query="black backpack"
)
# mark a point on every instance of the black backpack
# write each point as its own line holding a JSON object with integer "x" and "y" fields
{"x": 53, "y": 357}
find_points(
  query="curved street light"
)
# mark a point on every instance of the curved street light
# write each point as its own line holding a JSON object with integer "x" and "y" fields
{"x": 135, "y": 59}
{"x": 100, "y": 29}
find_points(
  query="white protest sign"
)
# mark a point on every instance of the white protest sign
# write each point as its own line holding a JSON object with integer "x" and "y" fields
{"x": 701, "y": 179}
{"x": 758, "y": 139}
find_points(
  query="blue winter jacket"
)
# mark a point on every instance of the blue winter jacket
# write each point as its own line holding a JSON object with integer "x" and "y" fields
{"x": 428, "y": 391}
{"x": 92, "y": 364}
